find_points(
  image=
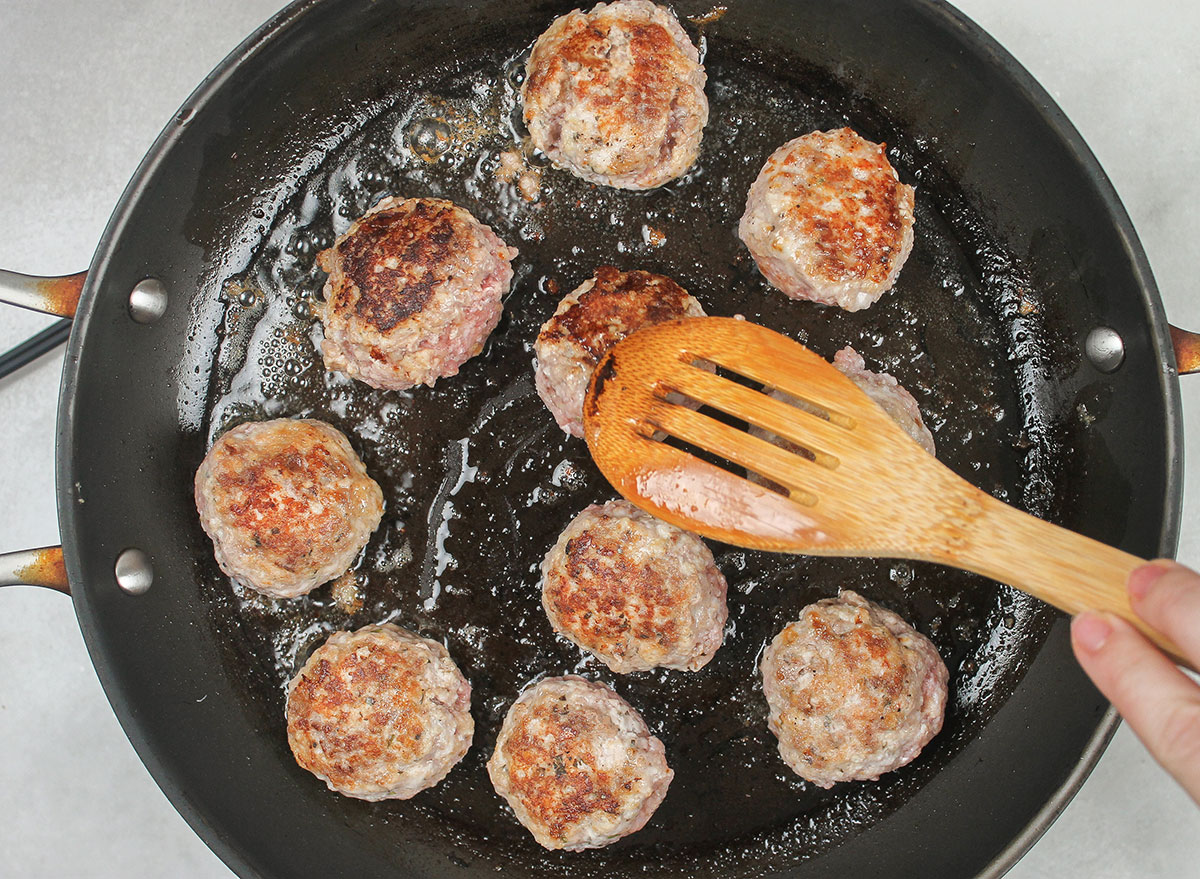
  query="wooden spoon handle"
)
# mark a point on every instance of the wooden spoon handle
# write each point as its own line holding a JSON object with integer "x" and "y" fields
{"x": 1068, "y": 570}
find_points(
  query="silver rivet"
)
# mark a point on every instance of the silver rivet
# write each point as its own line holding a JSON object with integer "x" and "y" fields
{"x": 1105, "y": 349}
{"x": 133, "y": 570}
{"x": 148, "y": 301}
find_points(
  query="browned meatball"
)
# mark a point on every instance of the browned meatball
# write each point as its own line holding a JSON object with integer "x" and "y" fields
{"x": 616, "y": 95}
{"x": 578, "y": 765}
{"x": 379, "y": 713}
{"x": 829, "y": 220}
{"x": 892, "y": 397}
{"x": 888, "y": 394}
{"x": 635, "y": 591}
{"x": 853, "y": 690}
{"x": 287, "y": 503}
{"x": 591, "y": 319}
{"x": 415, "y": 288}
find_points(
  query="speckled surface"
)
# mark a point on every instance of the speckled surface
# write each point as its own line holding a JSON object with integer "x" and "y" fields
{"x": 86, "y": 88}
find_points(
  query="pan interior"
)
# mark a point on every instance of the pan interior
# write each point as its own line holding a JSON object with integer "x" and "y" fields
{"x": 478, "y": 480}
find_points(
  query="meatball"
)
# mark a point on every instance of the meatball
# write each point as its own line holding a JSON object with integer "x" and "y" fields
{"x": 616, "y": 95}
{"x": 578, "y": 765}
{"x": 635, "y": 591}
{"x": 287, "y": 503}
{"x": 829, "y": 220}
{"x": 379, "y": 713}
{"x": 415, "y": 287}
{"x": 881, "y": 387}
{"x": 888, "y": 393}
{"x": 591, "y": 319}
{"x": 853, "y": 691}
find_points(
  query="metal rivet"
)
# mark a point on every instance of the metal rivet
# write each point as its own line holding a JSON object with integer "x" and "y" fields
{"x": 133, "y": 570}
{"x": 1105, "y": 348}
{"x": 148, "y": 301}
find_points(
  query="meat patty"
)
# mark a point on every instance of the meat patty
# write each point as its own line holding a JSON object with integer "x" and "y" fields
{"x": 379, "y": 713}
{"x": 829, "y": 220}
{"x": 415, "y": 286}
{"x": 881, "y": 387}
{"x": 616, "y": 95}
{"x": 578, "y": 765}
{"x": 853, "y": 691}
{"x": 592, "y": 318}
{"x": 635, "y": 591}
{"x": 889, "y": 394}
{"x": 287, "y": 503}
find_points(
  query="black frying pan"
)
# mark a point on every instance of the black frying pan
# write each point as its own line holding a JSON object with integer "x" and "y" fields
{"x": 1018, "y": 236}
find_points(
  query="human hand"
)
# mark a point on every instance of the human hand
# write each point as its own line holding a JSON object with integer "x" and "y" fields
{"x": 1160, "y": 702}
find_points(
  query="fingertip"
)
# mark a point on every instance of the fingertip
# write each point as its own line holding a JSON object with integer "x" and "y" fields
{"x": 1166, "y": 596}
{"x": 1090, "y": 631}
{"x": 1108, "y": 649}
{"x": 1142, "y": 579}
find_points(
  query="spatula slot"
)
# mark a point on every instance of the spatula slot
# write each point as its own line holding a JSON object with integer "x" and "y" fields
{"x": 693, "y": 431}
{"x": 736, "y": 404}
{"x": 775, "y": 373}
{"x": 656, "y": 434}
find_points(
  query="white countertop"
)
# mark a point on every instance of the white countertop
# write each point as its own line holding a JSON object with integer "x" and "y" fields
{"x": 84, "y": 89}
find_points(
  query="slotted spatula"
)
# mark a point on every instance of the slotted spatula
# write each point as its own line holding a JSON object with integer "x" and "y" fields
{"x": 860, "y": 487}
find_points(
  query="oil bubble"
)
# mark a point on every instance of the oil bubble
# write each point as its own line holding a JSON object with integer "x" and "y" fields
{"x": 514, "y": 72}
{"x": 901, "y": 574}
{"x": 538, "y": 159}
{"x": 429, "y": 138}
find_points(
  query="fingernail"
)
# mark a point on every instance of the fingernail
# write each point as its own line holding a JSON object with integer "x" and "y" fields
{"x": 1090, "y": 631}
{"x": 1142, "y": 579}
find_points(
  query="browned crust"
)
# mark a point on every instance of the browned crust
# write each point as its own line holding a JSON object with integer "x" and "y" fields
{"x": 378, "y": 689}
{"x": 632, "y": 300}
{"x": 852, "y": 247}
{"x": 397, "y": 257}
{"x": 868, "y": 667}
{"x": 602, "y": 590}
{"x": 630, "y": 81}
{"x": 258, "y": 508}
{"x": 576, "y": 788}
{"x": 648, "y": 93}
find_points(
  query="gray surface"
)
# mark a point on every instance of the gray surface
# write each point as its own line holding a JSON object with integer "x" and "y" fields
{"x": 86, "y": 87}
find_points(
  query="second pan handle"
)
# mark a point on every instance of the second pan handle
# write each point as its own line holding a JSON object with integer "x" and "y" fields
{"x": 35, "y": 567}
{"x": 58, "y": 295}
{"x": 1187, "y": 350}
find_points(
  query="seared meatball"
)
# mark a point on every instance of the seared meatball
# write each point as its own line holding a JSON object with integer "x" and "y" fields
{"x": 578, "y": 765}
{"x": 829, "y": 220}
{"x": 881, "y": 387}
{"x": 379, "y": 714}
{"x": 635, "y": 591}
{"x": 415, "y": 287}
{"x": 287, "y": 503}
{"x": 888, "y": 393}
{"x": 616, "y": 95}
{"x": 853, "y": 691}
{"x": 591, "y": 319}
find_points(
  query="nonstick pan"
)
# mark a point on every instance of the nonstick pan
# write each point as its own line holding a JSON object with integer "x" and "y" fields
{"x": 240, "y": 651}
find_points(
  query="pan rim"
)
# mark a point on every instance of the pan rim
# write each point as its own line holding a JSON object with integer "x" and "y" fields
{"x": 1061, "y": 125}
{"x": 971, "y": 35}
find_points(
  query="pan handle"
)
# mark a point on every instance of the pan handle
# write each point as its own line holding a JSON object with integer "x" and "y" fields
{"x": 35, "y": 567}
{"x": 1187, "y": 350}
{"x": 60, "y": 296}
{"x": 49, "y": 295}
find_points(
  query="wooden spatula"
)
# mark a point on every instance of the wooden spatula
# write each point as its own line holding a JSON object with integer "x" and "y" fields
{"x": 861, "y": 487}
